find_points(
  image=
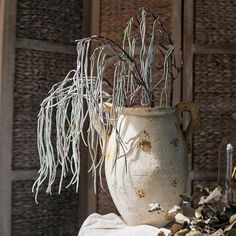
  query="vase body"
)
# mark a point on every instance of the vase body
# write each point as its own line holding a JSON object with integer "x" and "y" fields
{"x": 149, "y": 167}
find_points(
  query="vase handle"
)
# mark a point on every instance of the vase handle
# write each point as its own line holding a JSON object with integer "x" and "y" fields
{"x": 194, "y": 122}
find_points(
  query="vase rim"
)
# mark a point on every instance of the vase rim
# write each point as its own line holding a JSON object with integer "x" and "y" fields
{"x": 146, "y": 111}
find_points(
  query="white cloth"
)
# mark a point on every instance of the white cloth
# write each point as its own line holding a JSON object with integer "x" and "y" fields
{"x": 113, "y": 225}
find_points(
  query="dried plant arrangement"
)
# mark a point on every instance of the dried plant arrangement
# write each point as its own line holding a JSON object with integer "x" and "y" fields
{"x": 213, "y": 215}
{"x": 140, "y": 72}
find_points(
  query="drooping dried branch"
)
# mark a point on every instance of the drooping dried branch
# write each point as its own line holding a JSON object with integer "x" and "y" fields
{"x": 136, "y": 75}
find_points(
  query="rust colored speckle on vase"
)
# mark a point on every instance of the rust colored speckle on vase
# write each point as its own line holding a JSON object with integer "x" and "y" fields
{"x": 173, "y": 182}
{"x": 140, "y": 193}
{"x": 145, "y": 145}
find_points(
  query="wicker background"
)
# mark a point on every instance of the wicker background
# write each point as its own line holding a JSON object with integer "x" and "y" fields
{"x": 215, "y": 22}
{"x": 116, "y": 13}
{"x": 35, "y": 73}
{"x": 215, "y": 92}
{"x": 55, "y": 215}
{"x": 113, "y": 18}
{"x": 55, "y": 21}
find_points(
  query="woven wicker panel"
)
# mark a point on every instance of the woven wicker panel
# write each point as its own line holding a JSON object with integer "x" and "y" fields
{"x": 35, "y": 73}
{"x": 116, "y": 13}
{"x": 56, "y": 21}
{"x": 55, "y": 215}
{"x": 215, "y": 92}
{"x": 208, "y": 184}
{"x": 215, "y": 22}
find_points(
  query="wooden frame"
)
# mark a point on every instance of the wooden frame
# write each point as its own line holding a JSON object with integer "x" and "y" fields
{"x": 95, "y": 17}
{"x": 89, "y": 203}
{"x": 187, "y": 86}
{"x": 177, "y": 35}
{"x": 187, "y": 50}
{"x": 45, "y": 46}
{"x": 7, "y": 68}
{"x": 91, "y": 206}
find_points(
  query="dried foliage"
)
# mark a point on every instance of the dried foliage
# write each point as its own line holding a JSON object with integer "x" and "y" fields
{"x": 214, "y": 216}
{"x": 143, "y": 64}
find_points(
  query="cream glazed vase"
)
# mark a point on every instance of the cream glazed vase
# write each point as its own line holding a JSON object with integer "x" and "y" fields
{"x": 149, "y": 169}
